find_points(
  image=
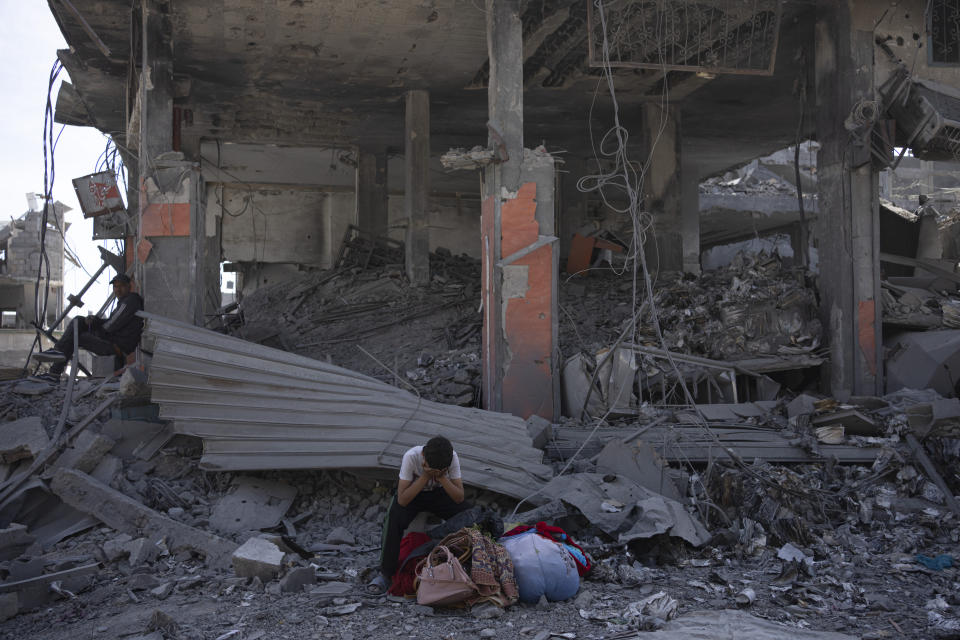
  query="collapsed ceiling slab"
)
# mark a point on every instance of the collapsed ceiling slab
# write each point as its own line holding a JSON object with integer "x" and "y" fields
{"x": 261, "y": 408}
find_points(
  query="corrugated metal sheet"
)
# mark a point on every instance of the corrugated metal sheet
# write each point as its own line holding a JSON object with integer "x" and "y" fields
{"x": 261, "y": 408}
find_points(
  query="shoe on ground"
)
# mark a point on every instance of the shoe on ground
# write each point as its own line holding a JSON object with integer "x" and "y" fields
{"x": 52, "y": 378}
{"x": 377, "y": 586}
{"x": 50, "y": 355}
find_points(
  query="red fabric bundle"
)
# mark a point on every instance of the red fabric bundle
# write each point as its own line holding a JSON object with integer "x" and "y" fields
{"x": 402, "y": 584}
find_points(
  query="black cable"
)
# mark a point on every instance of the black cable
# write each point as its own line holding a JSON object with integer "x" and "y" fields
{"x": 49, "y": 174}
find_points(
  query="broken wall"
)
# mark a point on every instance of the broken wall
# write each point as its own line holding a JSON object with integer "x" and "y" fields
{"x": 904, "y": 30}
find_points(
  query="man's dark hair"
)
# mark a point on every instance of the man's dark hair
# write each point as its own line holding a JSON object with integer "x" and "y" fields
{"x": 438, "y": 452}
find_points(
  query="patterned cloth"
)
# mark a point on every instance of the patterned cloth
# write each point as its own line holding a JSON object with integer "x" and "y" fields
{"x": 491, "y": 567}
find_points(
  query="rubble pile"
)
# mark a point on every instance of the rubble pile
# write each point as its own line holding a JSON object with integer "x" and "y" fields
{"x": 752, "y": 179}
{"x": 123, "y": 539}
{"x": 933, "y": 307}
{"x": 753, "y": 307}
{"x": 428, "y": 337}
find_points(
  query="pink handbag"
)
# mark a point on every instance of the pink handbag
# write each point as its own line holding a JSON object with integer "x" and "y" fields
{"x": 443, "y": 583}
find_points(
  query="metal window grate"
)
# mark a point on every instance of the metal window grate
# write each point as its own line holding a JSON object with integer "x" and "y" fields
{"x": 714, "y": 36}
{"x": 943, "y": 25}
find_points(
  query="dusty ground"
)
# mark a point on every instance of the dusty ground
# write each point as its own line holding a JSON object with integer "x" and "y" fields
{"x": 863, "y": 580}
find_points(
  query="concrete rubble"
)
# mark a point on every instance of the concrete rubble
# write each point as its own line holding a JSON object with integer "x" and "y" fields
{"x": 808, "y": 543}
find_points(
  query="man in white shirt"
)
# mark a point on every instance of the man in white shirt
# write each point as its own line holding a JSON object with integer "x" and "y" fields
{"x": 429, "y": 481}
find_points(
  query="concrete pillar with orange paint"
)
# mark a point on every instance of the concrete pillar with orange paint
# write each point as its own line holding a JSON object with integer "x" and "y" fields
{"x": 519, "y": 250}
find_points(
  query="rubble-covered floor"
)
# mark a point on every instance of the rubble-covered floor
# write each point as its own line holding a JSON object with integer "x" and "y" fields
{"x": 853, "y": 534}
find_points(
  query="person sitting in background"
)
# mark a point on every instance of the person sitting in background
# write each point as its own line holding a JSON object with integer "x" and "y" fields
{"x": 115, "y": 336}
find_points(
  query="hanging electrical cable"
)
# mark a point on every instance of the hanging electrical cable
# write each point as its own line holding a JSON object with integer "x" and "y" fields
{"x": 49, "y": 175}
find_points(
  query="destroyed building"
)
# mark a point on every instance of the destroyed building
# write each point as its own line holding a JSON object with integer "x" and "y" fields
{"x": 21, "y": 268}
{"x": 502, "y": 222}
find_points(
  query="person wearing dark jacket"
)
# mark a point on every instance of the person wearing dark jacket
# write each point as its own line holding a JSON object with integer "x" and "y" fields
{"x": 116, "y": 336}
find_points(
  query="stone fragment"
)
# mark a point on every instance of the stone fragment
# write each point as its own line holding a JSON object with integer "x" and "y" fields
{"x": 486, "y": 611}
{"x": 142, "y": 551}
{"x": 297, "y": 579}
{"x": 117, "y": 548}
{"x": 9, "y": 605}
{"x": 86, "y": 452}
{"x": 540, "y": 430}
{"x": 332, "y": 589}
{"x": 21, "y": 439}
{"x": 257, "y": 558}
{"x": 163, "y": 591}
{"x": 14, "y": 540}
{"x": 142, "y": 582}
{"x": 341, "y": 535}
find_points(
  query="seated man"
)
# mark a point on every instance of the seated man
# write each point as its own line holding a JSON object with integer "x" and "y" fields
{"x": 118, "y": 335}
{"x": 429, "y": 481}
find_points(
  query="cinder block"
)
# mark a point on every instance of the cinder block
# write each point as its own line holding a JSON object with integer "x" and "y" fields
{"x": 258, "y": 558}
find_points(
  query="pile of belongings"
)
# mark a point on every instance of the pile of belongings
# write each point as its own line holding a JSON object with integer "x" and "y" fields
{"x": 470, "y": 560}
{"x": 547, "y": 562}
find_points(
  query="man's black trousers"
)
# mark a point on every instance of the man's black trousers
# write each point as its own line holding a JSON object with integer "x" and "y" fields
{"x": 93, "y": 340}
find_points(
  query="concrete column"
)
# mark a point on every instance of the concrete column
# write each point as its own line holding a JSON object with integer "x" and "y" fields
{"x": 849, "y": 236}
{"x": 417, "y": 186}
{"x": 661, "y": 188}
{"x": 573, "y": 202}
{"x": 166, "y": 246}
{"x": 690, "y": 213}
{"x": 520, "y": 252}
{"x": 371, "y": 189}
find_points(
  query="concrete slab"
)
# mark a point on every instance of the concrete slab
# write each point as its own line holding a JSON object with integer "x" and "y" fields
{"x": 129, "y": 516}
{"x": 84, "y": 455}
{"x": 22, "y": 439}
{"x": 251, "y": 504}
{"x": 641, "y": 464}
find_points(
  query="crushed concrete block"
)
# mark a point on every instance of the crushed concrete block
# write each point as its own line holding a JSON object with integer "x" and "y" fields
{"x": 341, "y": 535}
{"x": 258, "y": 558}
{"x": 129, "y": 516}
{"x": 142, "y": 582}
{"x": 107, "y": 469}
{"x": 163, "y": 591}
{"x": 14, "y": 540}
{"x": 540, "y": 430}
{"x": 21, "y": 439}
{"x": 85, "y": 454}
{"x": 297, "y": 579}
{"x": 117, "y": 548}
{"x": 251, "y": 503}
{"x": 141, "y": 551}
{"x": 9, "y": 605}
